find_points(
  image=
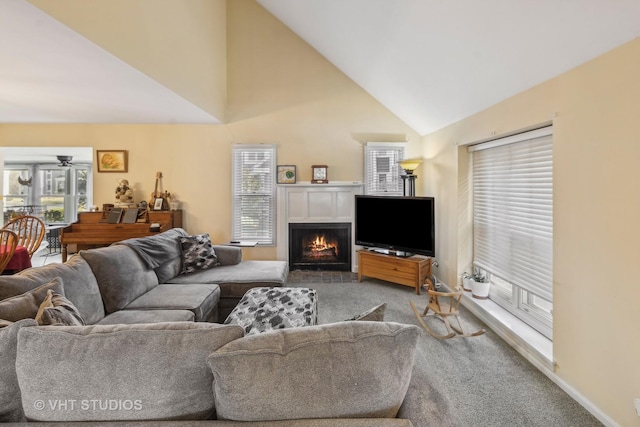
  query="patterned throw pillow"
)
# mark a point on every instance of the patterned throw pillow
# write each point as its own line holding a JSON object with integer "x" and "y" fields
{"x": 56, "y": 310}
{"x": 375, "y": 314}
{"x": 197, "y": 253}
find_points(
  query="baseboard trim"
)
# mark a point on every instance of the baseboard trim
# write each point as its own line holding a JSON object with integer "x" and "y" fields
{"x": 537, "y": 359}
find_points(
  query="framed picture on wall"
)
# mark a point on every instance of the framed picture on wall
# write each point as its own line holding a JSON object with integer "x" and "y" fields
{"x": 112, "y": 160}
{"x": 286, "y": 174}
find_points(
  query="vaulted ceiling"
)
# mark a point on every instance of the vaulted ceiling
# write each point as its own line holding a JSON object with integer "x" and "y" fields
{"x": 430, "y": 62}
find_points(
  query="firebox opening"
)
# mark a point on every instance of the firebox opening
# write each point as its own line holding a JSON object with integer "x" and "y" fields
{"x": 325, "y": 246}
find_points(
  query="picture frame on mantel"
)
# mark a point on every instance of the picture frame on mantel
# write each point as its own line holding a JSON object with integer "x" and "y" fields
{"x": 112, "y": 160}
{"x": 286, "y": 174}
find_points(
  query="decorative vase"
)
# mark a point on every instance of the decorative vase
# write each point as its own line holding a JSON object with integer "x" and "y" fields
{"x": 467, "y": 283}
{"x": 480, "y": 290}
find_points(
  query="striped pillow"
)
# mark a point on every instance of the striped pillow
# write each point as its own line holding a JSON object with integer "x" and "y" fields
{"x": 57, "y": 310}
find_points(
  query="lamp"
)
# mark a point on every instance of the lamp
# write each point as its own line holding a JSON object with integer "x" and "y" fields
{"x": 65, "y": 161}
{"x": 409, "y": 178}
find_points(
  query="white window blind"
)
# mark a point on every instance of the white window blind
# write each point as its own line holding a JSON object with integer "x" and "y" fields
{"x": 254, "y": 193}
{"x": 513, "y": 209}
{"x": 381, "y": 169}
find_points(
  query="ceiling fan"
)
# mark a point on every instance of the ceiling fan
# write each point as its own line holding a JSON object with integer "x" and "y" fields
{"x": 65, "y": 161}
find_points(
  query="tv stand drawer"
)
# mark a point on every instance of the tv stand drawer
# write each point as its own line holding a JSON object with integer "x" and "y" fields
{"x": 410, "y": 271}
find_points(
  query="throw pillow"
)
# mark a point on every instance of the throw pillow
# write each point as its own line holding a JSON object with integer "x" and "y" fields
{"x": 10, "y": 400}
{"x": 154, "y": 371}
{"x": 121, "y": 275}
{"x": 375, "y": 314}
{"x": 337, "y": 370}
{"x": 197, "y": 253}
{"x": 26, "y": 305}
{"x": 57, "y": 310}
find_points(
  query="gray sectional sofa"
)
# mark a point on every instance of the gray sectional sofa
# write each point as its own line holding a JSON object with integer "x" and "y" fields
{"x": 151, "y": 354}
{"x": 139, "y": 281}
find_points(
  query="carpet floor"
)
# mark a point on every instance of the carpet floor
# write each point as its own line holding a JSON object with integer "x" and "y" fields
{"x": 486, "y": 382}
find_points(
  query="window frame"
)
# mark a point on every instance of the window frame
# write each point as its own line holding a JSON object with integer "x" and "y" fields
{"x": 267, "y": 192}
{"x": 374, "y": 151}
{"x": 529, "y": 300}
{"x": 34, "y": 196}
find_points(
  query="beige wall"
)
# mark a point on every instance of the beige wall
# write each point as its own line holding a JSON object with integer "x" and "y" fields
{"x": 280, "y": 91}
{"x": 180, "y": 44}
{"x": 596, "y": 217}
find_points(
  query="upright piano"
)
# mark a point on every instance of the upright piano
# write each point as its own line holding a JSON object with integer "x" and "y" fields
{"x": 92, "y": 231}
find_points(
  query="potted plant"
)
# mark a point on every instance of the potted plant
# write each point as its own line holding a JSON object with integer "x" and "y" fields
{"x": 481, "y": 282}
{"x": 467, "y": 281}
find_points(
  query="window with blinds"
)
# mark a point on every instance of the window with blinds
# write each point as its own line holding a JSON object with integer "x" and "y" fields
{"x": 253, "y": 210}
{"x": 381, "y": 169}
{"x": 513, "y": 222}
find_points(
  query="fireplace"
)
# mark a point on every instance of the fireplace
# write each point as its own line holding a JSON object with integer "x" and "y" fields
{"x": 320, "y": 246}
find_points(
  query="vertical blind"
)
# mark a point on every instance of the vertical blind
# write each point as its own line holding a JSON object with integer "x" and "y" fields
{"x": 381, "y": 169}
{"x": 254, "y": 193}
{"x": 513, "y": 209}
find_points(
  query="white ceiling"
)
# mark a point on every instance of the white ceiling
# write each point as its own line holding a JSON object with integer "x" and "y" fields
{"x": 434, "y": 62}
{"x": 431, "y": 62}
{"x": 51, "y": 74}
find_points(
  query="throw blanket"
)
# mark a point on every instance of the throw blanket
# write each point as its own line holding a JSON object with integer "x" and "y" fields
{"x": 157, "y": 249}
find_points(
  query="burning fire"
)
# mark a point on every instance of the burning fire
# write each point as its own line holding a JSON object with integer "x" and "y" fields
{"x": 320, "y": 244}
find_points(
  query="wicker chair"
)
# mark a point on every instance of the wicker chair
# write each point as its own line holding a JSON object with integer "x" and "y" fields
{"x": 8, "y": 245}
{"x": 30, "y": 231}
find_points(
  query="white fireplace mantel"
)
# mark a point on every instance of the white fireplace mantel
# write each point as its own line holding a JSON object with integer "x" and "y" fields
{"x": 309, "y": 203}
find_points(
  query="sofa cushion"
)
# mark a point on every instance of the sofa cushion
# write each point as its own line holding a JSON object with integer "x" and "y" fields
{"x": 121, "y": 275}
{"x": 228, "y": 255}
{"x": 197, "y": 253}
{"x": 247, "y": 274}
{"x": 80, "y": 285}
{"x": 57, "y": 310}
{"x": 359, "y": 369}
{"x": 26, "y": 305}
{"x": 200, "y": 299}
{"x": 10, "y": 401}
{"x": 129, "y": 317}
{"x": 151, "y": 371}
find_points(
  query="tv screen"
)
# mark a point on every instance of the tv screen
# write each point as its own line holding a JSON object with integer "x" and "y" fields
{"x": 400, "y": 225}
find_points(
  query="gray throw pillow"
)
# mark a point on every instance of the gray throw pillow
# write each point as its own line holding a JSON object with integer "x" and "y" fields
{"x": 197, "y": 253}
{"x": 345, "y": 369}
{"x": 80, "y": 285}
{"x": 121, "y": 275}
{"x": 26, "y": 305}
{"x": 375, "y": 314}
{"x": 10, "y": 399}
{"x": 57, "y": 310}
{"x": 148, "y": 371}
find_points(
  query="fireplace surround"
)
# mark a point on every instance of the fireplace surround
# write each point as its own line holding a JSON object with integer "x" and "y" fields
{"x": 306, "y": 203}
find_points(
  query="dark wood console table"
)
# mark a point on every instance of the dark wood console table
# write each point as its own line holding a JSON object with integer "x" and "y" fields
{"x": 91, "y": 232}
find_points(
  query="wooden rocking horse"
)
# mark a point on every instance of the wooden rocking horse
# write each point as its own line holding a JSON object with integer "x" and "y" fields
{"x": 443, "y": 305}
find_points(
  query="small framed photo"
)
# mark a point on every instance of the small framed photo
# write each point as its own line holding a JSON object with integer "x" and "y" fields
{"x": 286, "y": 174}
{"x": 157, "y": 205}
{"x": 112, "y": 160}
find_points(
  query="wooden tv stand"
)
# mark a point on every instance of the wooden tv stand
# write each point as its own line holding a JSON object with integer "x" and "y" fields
{"x": 410, "y": 271}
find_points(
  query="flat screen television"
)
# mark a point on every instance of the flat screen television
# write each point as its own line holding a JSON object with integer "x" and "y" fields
{"x": 396, "y": 225}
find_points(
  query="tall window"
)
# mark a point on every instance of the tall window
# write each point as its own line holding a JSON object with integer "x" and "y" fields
{"x": 254, "y": 193}
{"x": 381, "y": 169}
{"x": 50, "y": 192}
{"x": 513, "y": 223}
